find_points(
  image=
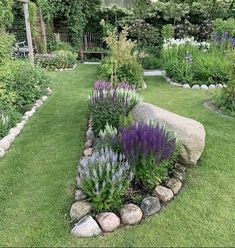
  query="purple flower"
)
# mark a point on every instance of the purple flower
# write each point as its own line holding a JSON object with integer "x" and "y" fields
{"x": 143, "y": 140}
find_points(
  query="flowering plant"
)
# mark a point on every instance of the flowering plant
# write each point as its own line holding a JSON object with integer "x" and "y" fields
{"x": 104, "y": 178}
{"x": 150, "y": 148}
{"x": 107, "y": 106}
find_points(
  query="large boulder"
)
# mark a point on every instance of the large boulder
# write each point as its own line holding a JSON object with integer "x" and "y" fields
{"x": 191, "y": 133}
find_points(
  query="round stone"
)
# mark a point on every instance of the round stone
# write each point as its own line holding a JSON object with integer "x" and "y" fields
{"x": 49, "y": 91}
{"x": 90, "y": 134}
{"x": 14, "y": 131}
{"x": 174, "y": 184}
{"x": 196, "y": 86}
{"x": 220, "y": 86}
{"x": 88, "y": 152}
{"x": 108, "y": 221}
{"x": 212, "y": 86}
{"x": 163, "y": 193}
{"x": 29, "y": 114}
{"x": 186, "y": 86}
{"x": 204, "y": 87}
{"x": 150, "y": 205}
{"x": 79, "y": 209}
{"x": 88, "y": 144}
{"x": 131, "y": 214}
{"x": 2, "y": 152}
{"x": 79, "y": 196}
{"x": 44, "y": 98}
{"x": 86, "y": 227}
{"x": 5, "y": 143}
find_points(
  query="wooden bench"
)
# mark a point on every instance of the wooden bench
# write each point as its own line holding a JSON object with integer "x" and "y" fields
{"x": 83, "y": 54}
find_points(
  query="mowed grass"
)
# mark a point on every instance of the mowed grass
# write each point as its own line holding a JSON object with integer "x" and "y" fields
{"x": 37, "y": 177}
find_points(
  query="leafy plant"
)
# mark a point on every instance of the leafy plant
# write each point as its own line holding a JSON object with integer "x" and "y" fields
{"x": 225, "y": 100}
{"x": 104, "y": 178}
{"x": 150, "y": 149}
{"x": 121, "y": 64}
{"x": 104, "y": 103}
{"x": 57, "y": 60}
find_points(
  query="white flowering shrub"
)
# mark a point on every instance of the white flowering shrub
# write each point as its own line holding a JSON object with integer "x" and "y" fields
{"x": 104, "y": 178}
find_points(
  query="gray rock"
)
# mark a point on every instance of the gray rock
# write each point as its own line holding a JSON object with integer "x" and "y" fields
{"x": 219, "y": 86}
{"x": 2, "y": 152}
{"x": 88, "y": 152}
{"x": 25, "y": 118}
{"x": 179, "y": 171}
{"x": 11, "y": 137}
{"x": 39, "y": 103}
{"x": 174, "y": 184}
{"x": 190, "y": 133}
{"x": 86, "y": 227}
{"x": 150, "y": 205}
{"x": 204, "y": 87}
{"x": 186, "y": 86}
{"x": 79, "y": 209}
{"x": 131, "y": 214}
{"x": 196, "y": 86}
{"x": 108, "y": 221}
{"x": 20, "y": 125}
{"x": 177, "y": 84}
{"x": 90, "y": 134}
{"x": 163, "y": 193}
{"x": 88, "y": 144}
{"x": 29, "y": 114}
{"x": 5, "y": 143}
{"x": 79, "y": 195}
{"x": 49, "y": 91}
{"x": 44, "y": 98}
{"x": 14, "y": 131}
{"x": 212, "y": 86}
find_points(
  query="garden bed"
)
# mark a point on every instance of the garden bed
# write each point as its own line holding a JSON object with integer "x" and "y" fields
{"x": 137, "y": 200}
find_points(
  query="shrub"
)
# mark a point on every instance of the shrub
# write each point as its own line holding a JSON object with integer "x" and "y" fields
{"x": 189, "y": 61}
{"x": 107, "y": 106}
{"x": 225, "y": 100}
{"x": 104, "y": 178}
{"x": 27, "y": 83}
{"x": 121, "y": 64}
{"x": 20, "y": 85}
{"x": 57, "y": 60}
{"x": 60, "y": 45}
{"x": 150, "y": 149}
{"x": 6, "y": 43}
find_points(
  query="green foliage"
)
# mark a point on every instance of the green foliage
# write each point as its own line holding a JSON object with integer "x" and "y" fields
{"x": 105, "y": 178}
{"x": 121, "y": 64}
{"x": 225, "y": 100}
{"x": 6, "y": 16}
{"x": 206, "y": 66}
{"x": 60, "y": 45}
{"x": 167, "y": 31}
{"x": 21, "y": 85}
{"x": 103, "y": 105}
{"x": 150, "y": 62}
{"x": 6, "y": 43}
{"x": 60, "y": 59}
{"x": 221, "y": 26}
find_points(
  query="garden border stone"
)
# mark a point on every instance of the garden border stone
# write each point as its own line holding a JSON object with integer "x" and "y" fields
{"x": 5, "y": 142}
{"x": 149, "y": 73}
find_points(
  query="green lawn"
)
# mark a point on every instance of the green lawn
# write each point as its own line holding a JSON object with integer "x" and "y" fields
{"x": 37, "y": 177}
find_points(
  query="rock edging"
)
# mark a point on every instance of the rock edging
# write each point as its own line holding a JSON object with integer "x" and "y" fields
{"x": 5, "y": 142}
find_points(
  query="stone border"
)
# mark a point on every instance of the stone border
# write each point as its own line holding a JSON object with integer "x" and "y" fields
{"x": 148, "y": 73}
{"x": 65, "y": 69}
{"x": 5, "y": 142}
{"x": 212, "y": 107}
{"x": 84, "y": 225}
